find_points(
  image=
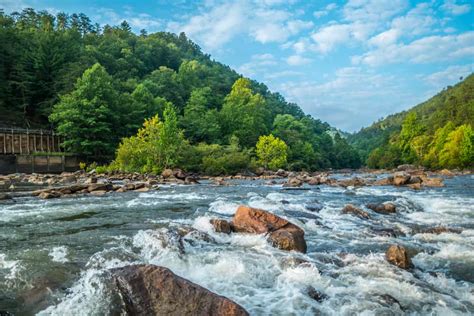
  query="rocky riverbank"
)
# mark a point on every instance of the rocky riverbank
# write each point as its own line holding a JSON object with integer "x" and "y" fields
{"x": 47, "y": 186}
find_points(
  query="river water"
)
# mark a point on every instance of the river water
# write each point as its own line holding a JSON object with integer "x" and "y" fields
{"x": 55, "y": 254}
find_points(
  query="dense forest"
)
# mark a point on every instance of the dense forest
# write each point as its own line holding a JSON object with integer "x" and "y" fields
{"x": 151, "y": 101}
{"x": 436, "y": 133}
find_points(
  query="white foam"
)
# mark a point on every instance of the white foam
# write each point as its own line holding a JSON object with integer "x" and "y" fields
{"x": 59, "y": 254}
{"x": 223, "y": 206}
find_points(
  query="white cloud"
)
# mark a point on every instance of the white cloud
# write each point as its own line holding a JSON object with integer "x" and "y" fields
{"x": 353, "y": 98}
{"x": 449, "y": 75}
{"x": 424, "y": 50}
{"x": 137, "y": 21}
{"x": 297, "y": 60}
{"x": 10, "y": 6}
{"x": 257, "y": 64}
{"x": 328, "y": 37}
{"x": 373, "y": 10}
{"x": 222, "y": 22}
{"x": 451, "y": 7}
{"x": 320, "y": 13}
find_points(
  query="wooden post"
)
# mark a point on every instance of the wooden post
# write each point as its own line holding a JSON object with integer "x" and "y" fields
{"x": 41, "y": 140}
{"x": 4, "y": 143}
{"x": 47, "y": 143}
{"x": 34, "y": 142}
{"x": 52, "y": 139}
{"x": 21, "y": 147}
{"x": 13, "y": 143}
{"x": 28, "y": 141}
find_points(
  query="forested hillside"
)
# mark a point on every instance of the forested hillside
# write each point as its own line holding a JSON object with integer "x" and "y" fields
{"x": 437, "y": 133}
{"x": 97, "y": 85}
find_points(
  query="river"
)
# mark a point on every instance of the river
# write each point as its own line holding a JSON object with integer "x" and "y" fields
{"x": 55, "y": 254}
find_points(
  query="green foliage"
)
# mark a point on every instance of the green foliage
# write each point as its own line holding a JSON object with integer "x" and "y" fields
{"x": 158, "y": 145}
{"x": 431, "y": 134}
{"x": 87, "y": 116}
{"x": 244, "y": 113}
{"x": 271, "y": 152}
{"x": 97, "y": 85}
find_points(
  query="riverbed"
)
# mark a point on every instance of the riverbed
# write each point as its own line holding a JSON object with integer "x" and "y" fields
{"x": 55, "y": 255}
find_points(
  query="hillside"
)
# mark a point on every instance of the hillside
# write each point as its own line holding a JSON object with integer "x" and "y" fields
{"x": 97, "y": 85}
{"x": 411, "y": 136}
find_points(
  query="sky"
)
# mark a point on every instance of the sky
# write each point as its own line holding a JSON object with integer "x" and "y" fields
{"x": 348, "y": 63}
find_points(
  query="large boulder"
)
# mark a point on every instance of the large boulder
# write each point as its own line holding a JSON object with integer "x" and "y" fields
{"x": 383, "y": 208}
{"x": 282, "y": 234}
{"x": 397, "y": 255}
{"x": 179, "y": 174}
{"x": 432, "y": 182}
{"x": 353, "y": 210}
{"x": 154, "y": 290}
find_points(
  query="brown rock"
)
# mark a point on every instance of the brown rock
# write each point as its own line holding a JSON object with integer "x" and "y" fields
{"x": 387, "y": 208}
{"x": 142, "y": 189}
{"x": 154, "y": 290}
{"x": 282, "y": 234}
{"x": 98, "y": 192}
{"x": 446, "y": 173}
{"x": 167, "y": 173}
{"x": 49, "y": 195}
{"x": 432, "y": 182}
{"x": 400, "y": 178}
{"x": 397, "y": 255}
{"x": 314, "y": 181}
{"x": 99, "y": 187}
{"x": 179, "y": 174}
{"x": 293, "y": 182}
{"x": 351, "y": 209}
{"x": 415, "y": 186}
{"x": 221, "y": 226}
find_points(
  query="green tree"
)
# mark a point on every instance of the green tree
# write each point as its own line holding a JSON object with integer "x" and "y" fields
{"x": 200, "y": 123}
{"x": 244, "y": 113}
{"x": 458, "y": 151}
{"x": 158, "y": 145}
{"x": 271, "y": 152}
{"x": 87, "y": 117}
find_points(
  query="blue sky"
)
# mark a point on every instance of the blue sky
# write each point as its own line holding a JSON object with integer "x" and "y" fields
{"x": 345, "y": 62}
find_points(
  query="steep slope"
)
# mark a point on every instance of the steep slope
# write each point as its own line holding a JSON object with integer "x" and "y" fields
{"x": 454, "y": 106}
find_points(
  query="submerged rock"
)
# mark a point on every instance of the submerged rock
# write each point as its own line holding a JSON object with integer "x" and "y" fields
{"x": 155, "y": 290}
{"x": 441, "y": 229}
{"x": 315, "y": 294}
{"x": 5, "y": 196}
{"x": 351, "y": 209}
{"x": 398, "y": 256}
{"x": 383, "y": 208}
{"x": 282, "y": 234}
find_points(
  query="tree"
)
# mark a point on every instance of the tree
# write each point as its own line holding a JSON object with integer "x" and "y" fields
{"x": 458, "y": 151}
{"x": 244, "y": 113}
{"x": 200, "y": 123}
{"x": 157, "y": 146}
{"x": 271, "y": 152}
{"x": 86, "y": 117}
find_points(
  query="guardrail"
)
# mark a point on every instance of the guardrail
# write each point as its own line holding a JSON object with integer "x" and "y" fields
{"x": 28, "y": 141}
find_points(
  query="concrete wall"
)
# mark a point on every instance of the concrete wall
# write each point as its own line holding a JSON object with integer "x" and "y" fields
{"x": 37, "y": 164}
